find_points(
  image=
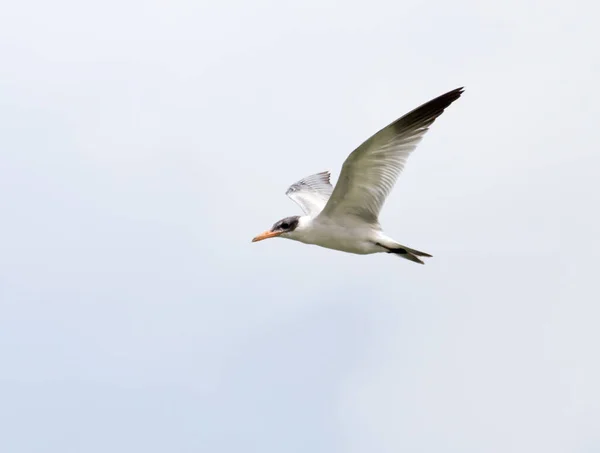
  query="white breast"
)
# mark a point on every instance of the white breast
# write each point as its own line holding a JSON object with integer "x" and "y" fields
{"x": 356, "y": 237}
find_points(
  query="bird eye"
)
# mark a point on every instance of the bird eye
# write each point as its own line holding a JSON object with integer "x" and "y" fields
{"x": 284, "y": 226}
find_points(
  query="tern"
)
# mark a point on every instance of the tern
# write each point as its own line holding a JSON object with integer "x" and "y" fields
{"x": 346, "y": 218}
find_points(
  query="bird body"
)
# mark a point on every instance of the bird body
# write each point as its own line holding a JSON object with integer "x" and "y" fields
{"x": 351, "y": 237}
{"x": 346, "y": 218}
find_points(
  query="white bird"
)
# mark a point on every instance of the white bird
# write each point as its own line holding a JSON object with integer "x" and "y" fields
{"x": 347, "y": 218}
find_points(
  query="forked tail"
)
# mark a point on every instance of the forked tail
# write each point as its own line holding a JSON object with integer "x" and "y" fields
{"x": 409, "y": 254}
{"x": 402, "y": 251}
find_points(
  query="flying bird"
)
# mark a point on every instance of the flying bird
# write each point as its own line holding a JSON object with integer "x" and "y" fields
{"x": 346, "y": 218}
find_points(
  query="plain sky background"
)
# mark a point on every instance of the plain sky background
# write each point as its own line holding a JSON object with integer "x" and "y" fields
{"x": 143, "y": 145}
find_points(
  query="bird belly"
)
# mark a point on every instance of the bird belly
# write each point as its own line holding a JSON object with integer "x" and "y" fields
{"x": 357, "y": 241}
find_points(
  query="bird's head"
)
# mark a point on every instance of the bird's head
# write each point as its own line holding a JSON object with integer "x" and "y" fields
{"x": 284, "y": 228}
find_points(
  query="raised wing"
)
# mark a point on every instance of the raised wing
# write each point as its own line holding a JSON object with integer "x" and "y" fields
{"x": 311, "y": 193}
{"x": 370, "y": 172}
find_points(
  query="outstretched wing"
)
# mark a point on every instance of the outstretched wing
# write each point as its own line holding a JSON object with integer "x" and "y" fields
{"x": 370, "y": 172}
{"x": 311, "y": 193}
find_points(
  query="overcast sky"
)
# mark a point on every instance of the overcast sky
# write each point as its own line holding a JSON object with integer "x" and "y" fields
{"x": 143, "y": 145}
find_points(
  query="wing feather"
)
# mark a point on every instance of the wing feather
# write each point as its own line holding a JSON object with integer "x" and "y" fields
{"x": 371, "y": 170}
{"x": 311, "y": 193}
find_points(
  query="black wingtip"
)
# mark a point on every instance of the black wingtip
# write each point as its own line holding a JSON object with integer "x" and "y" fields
{"x": 426, "y": 113}
{"x": 450, "y": 96}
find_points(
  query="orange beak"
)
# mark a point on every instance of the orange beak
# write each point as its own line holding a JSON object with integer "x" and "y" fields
{"x": 266, "y": 235}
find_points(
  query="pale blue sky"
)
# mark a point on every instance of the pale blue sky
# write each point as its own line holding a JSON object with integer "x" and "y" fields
{"x": 143, "y": 145}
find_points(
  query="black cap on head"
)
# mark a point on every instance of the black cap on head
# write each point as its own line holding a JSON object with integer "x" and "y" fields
{"x": 287, "y": 224}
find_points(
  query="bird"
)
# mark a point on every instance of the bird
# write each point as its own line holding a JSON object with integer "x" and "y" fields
{"x": 346, "y": 218}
